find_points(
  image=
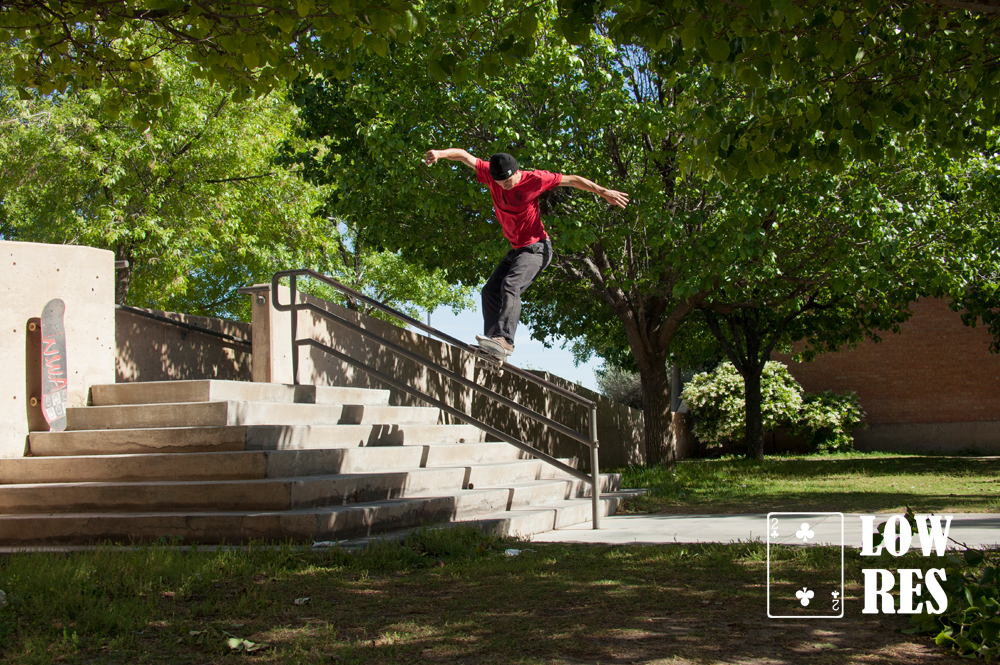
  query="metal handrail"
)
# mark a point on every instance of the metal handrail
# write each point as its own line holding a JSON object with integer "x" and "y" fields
{"x": 590, "y": 440}
{"x": 187, "y": 326}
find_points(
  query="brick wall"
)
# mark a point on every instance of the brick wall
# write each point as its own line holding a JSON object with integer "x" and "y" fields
{"x": 936, "y": 370}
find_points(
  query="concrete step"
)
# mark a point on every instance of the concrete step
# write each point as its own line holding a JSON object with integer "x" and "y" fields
{"x": 527, "y": 521}
{"x": 520, "y": 522}
{"x": 282, "y": 493}
{"x": 260, "y": 494}
{"x": 549, "y": 471}
{"x": 170, "y": 392}
{"x": 541, "y": 493}
{"x": 244, "y": 437}
{"x": 218, "y": 414}
{"x": 237, "y": 465}
{"x": 133, "y": 468}
{"x": 303, "y": 525}
{"x": 471, "y": 453}
{"x": 495, "y": 474}
{"x": 208, "y": 466}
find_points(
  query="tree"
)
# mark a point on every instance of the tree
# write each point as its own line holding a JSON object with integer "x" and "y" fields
{"x": 977, "y": 296}
{"x": 250, "y": 47}
{"x": 804, "y": 65}
{"x": 928, "y": 69}
{"x": 616, "y": 114}
{"x": 840, "y": 49}
{"x": 567, "y": 109}
{"x": 841, "y": 257}
{"x": 385, "y": 276}
{"x": 195, "y": 204}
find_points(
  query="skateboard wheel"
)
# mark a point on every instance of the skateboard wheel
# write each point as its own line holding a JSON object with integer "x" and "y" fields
{"x": 470, "y": 486}
{"x": 33, "y": 401}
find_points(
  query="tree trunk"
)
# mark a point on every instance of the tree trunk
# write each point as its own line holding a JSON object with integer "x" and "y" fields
{"x": 657, "y": 423}
{"x": 748, "y": 353}
{"x": 754, "y": 425}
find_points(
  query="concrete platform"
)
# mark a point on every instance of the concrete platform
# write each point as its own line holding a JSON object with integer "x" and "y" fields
{"x": 973, "y": 529}
{"x": 229, "y": 413}
{"x": 244, "y": 437}
{"x": 162, "y": 392}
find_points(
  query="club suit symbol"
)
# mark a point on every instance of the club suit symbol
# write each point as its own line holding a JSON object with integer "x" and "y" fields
{"x": 805, "y": 533}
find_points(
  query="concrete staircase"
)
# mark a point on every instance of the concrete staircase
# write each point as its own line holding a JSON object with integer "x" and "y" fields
{"x": 229, "y": 461}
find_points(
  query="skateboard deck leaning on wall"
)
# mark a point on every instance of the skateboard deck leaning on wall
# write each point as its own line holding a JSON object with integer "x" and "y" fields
{"x": 55, "y": 376}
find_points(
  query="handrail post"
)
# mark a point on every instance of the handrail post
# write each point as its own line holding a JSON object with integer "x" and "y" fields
{"x": 595, "y": 473}
{"x": 295, "y": 321}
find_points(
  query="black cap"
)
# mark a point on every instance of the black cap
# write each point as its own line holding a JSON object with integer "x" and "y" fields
{"x": 502, "y": 166}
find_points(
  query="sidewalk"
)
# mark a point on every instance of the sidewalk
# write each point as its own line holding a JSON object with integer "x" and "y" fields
{"x": 973, "y": 529}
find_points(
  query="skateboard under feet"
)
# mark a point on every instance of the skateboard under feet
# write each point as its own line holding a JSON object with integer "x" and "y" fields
{"x": 490, "y": 355}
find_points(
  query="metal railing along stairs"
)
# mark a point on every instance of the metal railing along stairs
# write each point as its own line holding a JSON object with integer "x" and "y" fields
{"x": 294, "y": 307}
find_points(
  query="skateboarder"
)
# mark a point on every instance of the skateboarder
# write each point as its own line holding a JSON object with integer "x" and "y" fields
{"x": 515, "y": 200}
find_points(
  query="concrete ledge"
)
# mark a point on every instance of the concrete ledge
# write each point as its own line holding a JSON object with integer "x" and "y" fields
{"x": 980, "y": 438}
{"x": 162, "y": 392}
{"x": 151, "y": 350}
{"x": 33, "y": 274}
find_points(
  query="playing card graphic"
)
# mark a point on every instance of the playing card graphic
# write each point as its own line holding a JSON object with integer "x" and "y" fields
{"x": 805, "y": 565}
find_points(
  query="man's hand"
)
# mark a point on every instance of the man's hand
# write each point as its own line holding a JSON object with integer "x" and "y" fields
{"x": 619, "y": 199}
{"x": 613, "y": 197}
{"x": 454, "y": 154}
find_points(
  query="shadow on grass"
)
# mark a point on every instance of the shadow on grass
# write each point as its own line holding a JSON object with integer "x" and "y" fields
{"x": 588, "y": 605}
{"x": 557, "y": 604}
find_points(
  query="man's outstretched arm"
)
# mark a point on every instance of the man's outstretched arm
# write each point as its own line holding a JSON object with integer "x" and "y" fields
{"x": 613, "y": 197}
{"x": 453, "y": 154}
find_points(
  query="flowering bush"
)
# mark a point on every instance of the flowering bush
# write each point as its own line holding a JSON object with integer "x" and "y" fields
{"x": 826, "y": 420}
{"x": 718, "y": 403}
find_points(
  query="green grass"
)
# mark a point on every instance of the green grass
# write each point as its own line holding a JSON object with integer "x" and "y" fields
{"x": 441, "y": 597}
{"x": 853, "y": 482}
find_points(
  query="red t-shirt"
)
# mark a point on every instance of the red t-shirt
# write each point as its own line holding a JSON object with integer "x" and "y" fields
{"x": 517, "y": 208}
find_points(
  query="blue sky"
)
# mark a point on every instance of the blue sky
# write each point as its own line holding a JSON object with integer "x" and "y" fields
{"x": 528, "y": 353}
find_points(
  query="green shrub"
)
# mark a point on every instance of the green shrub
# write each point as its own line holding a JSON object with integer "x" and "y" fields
{"x": 718, "y": 403}
{"x": 970, "y": 624}
{"x": 826, "y": 420}
{"x": 620, "y": 385}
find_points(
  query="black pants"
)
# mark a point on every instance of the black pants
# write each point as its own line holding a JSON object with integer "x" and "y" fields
{"x": 502, "y": 293}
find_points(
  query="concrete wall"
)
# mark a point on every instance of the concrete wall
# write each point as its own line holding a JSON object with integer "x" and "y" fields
{"x": 150, "y": 350}
{"x": 619, "y": 427}
{"x": 31, "y": 274}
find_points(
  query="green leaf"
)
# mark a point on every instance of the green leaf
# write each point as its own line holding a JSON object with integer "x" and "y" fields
{"x": 688, "y": 36}
{"x": 718, "y": 49}
{"x": 973, "y": 557}
{"x": 838, "y": 18}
